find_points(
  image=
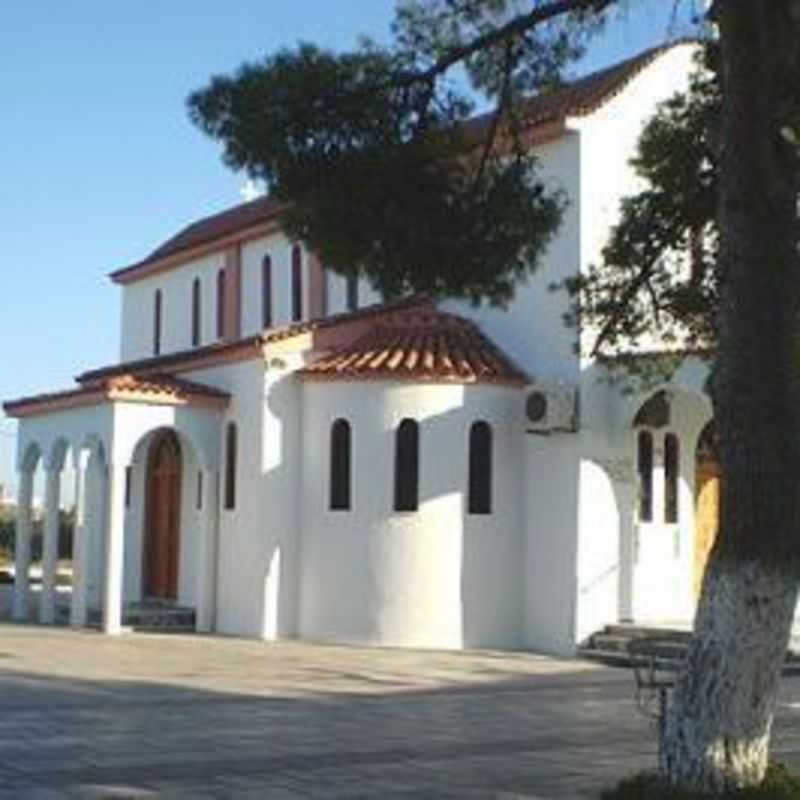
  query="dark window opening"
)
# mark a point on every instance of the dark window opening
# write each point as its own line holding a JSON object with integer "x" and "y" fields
{"x": 480, "y": 469}
{"x": 645, "y": 465}
{"x": 128, "y": 486}
{"x": 266, "y": 292}
{"x": 406, "y": 467}
{"x": 199, "y": 499}
{"x": 297, "y": 283}
{"x": 196, "y": 311}
{"x": 671, "y": 470}
{"x": 221, "y": 304}
{"x": 157, "y": 312}
{"x": 352, "y": 292}
{"x": 230, "y": 466}
{"x": 340, "y": 478}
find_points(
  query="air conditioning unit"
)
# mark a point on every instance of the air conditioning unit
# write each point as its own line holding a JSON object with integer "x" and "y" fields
{"x": 552, "y": 408}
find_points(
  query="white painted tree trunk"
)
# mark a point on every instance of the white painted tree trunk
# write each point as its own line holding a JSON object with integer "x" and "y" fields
{"x": 718, "y": 725}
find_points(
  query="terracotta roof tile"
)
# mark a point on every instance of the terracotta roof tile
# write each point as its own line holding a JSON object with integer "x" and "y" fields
{"x": 580, "y": 97}
{"x": 126, "y": 387}
{"x": 248, "y": 347}
{"x": 420, "y": 345}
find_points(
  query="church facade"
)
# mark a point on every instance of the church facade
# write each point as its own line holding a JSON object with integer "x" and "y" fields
{"x": 289, "y": 456}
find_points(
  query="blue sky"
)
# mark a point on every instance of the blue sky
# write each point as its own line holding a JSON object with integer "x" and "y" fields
{"x": 100, "y": 163}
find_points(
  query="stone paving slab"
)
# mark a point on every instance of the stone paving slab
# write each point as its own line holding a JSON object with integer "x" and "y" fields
{"x": 149, "y": 716}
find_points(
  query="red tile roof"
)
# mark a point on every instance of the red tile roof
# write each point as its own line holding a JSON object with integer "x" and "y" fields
{"x": 582, "y": 96}
{"x": 249, "y": 347}
{"x": 206, "y": 230}
{"x": 419, "y": 345}
{"x": 162, "y": 389}
{"x": 578, "y": 98}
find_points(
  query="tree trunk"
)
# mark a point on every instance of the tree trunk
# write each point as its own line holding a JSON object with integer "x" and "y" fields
{"x": 717, "y": 734}
{"x": 718, "y": 726}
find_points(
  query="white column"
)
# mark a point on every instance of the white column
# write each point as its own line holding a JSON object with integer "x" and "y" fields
{"x": 115, "y": 550}
{"x": 22, "y": 546}
{"x": 80, "y": 546}
{"x": 47, "y": 608}
{"x": 207, "y": 594}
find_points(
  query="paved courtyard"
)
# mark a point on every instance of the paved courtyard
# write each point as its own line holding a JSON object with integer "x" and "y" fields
{"x": 197, "y": 717}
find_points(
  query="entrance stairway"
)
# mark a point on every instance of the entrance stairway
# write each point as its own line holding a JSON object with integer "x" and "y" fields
{"x": 153, "y": 616}
{"x": 616, "y": 645}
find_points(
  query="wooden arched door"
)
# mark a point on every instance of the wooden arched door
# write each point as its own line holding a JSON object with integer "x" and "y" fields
{"x": 162, "y": 517}
{"x": 707, "y": 503}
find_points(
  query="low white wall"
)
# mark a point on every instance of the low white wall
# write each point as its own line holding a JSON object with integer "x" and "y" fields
{"x": 437, "y": 577}
{"x": 256, "y": 578}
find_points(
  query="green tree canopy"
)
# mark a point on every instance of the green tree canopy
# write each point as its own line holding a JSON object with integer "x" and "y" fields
{"x": 659, "y": 272}
{"x": 376, "y": 158}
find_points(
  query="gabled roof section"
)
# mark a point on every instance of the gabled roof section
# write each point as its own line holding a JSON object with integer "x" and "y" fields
{"x": 251, "y": 216}
{"x": 251, "y": 347}
{"x": 582, "y": 96}
{"x": 419, "y": 345}
{"x": 158, "y": 390}
{"x": 545, "y": 116}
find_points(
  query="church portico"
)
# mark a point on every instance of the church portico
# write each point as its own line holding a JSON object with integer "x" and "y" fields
{"x": 103, "y": 435}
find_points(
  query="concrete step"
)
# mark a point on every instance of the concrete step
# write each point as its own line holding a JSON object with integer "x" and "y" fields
{"x": 153, "y": 616}
{"x": 623, "y": 645}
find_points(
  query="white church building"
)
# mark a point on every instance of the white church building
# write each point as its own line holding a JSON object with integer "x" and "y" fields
{"x": 288, "y": 456}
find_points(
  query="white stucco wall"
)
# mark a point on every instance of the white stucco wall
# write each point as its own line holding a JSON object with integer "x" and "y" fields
{"x": 138, "y": 298}
{"x": 531, "y": 329}
{"x": 138, "y": 301}
{"x": 258, "y": 538}
{"x": 609, "y": 139}
{"x": 437, "y": 577}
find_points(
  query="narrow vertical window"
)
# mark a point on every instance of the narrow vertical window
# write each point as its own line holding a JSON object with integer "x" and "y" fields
{"x": 645, "y": 463}
{"x": 297, "y": 283}
{"x": 480, "y": 469}
{"x": 671, "y": 469}
{"x": 323, "y": 300}
{"x": 340, "y": 466}
{"x": 230, "y": 466}
{"x": 128, "y": 486}
{"x": 266, "y": 292}
{"x": 352, "y": 292}
{"x": 199, "y": 498}
{"x": 406, "y": 466}
{"x": 221, "y": 304}
{"x": 157, "y": 312}
{"x": 196, "y": 311}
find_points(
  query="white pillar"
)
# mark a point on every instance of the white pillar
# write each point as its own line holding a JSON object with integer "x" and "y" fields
{"x": 115, "y": 550}
{"x": 22, "y": 546}
{"x": 207, "y": 594}
{"x": 47, "y": 608}
{"x": 80, "y": 546}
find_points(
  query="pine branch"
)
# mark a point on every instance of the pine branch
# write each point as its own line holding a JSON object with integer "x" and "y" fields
{"x": 516, "y": 27}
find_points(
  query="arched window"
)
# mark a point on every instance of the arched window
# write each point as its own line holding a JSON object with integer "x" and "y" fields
{"x": 340, "y": 466}
{"x": 196, "y": 310}
{"x": 230, "y": 466}
{"x": 671, "y": 469}
{"x": 645, "y": 465}
{"x": 406, "y": 466}
{"x": 221, "y": 304}
{"x": 199, "y": 497}
{"x": 157, "y": 313}
{"x": 352, "y": 292}
{"x": 297, "y": 283}
{"x": 266, "y": 292}
{"x": 480, "y": 468}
